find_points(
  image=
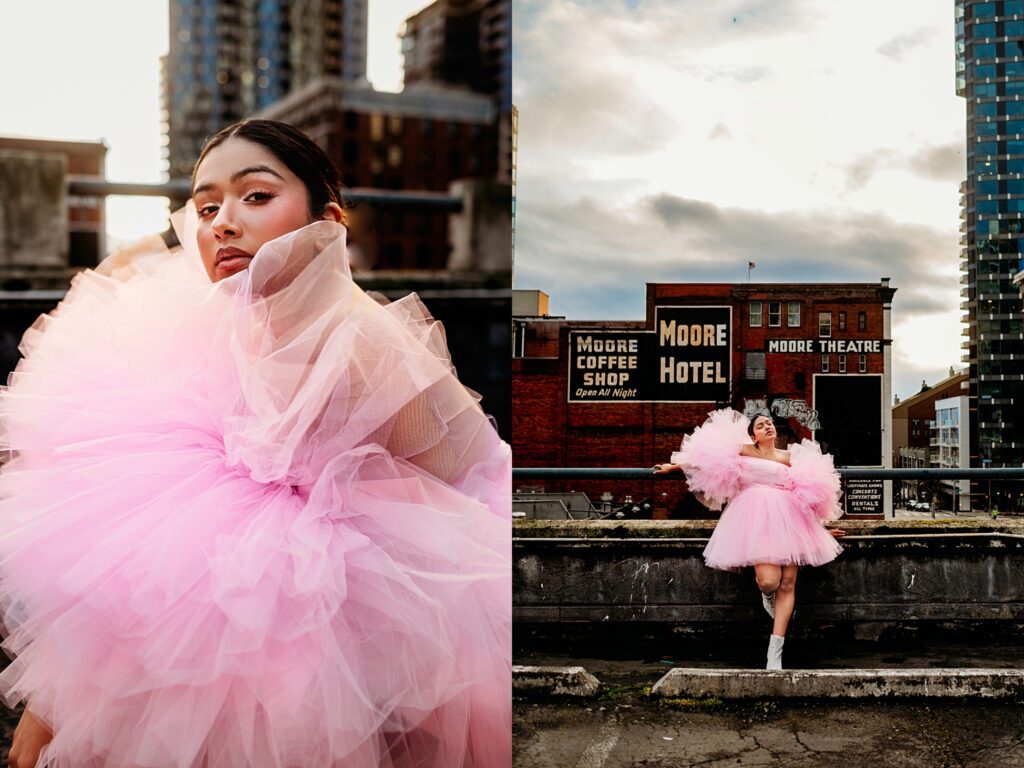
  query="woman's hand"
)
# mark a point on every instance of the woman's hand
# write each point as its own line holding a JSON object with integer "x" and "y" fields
{"x": 30, "y": 737}
{"x": 837, "y": 532}
{"x": 664, "y": 469}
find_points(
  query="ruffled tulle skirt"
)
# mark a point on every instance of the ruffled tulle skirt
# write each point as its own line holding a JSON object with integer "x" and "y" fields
{"x": 767, "y": 525}
{"x": 253, "y": 524}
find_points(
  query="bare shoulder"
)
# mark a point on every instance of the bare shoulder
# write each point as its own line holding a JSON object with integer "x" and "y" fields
{"x": 748, "y": 450}
{"x": 786, "y": 457}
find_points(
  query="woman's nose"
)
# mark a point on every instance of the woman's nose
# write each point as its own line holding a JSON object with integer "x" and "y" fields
{"x": 225, "y": 222}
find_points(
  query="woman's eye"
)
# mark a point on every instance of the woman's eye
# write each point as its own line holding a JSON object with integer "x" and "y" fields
{"x": 258, "y": 197}
{"x": 206, "y": 210}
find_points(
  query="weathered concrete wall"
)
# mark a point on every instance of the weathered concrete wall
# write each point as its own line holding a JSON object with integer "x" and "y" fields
{"x": 33, "y": 209}
{"x": 653, "y": 571}
{"x": 481, "y": 234}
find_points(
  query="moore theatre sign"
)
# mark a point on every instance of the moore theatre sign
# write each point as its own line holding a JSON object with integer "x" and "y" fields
{"x": 685, "y": 359}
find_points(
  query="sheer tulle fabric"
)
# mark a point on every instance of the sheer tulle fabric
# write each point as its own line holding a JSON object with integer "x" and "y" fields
{"x": 773, "y": 510}
{"x": 256, "y": 523}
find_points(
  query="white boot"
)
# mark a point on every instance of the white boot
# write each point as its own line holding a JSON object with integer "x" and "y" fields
{"x": 768, "y": 601}
{"x": 775, "y": 652}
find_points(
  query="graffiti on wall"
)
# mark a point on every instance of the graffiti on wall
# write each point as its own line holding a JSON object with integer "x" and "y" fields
{"x": 784, "y": 408}
{"x": 796, "y": 409}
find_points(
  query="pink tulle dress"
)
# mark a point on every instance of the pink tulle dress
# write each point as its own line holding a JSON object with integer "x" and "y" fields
{"x": 252, "y": 523}
{"x": 774, "y": 511}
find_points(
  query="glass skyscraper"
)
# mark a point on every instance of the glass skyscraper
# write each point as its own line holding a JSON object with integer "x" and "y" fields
{"x": 990, "y": 76}
{"x": 229, "y": 58}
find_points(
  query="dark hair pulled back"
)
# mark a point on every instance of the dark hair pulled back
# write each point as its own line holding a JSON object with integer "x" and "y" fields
{"x": 296, "y": 150}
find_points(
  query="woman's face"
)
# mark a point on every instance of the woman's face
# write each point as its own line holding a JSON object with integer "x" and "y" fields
{"x": 764, "y": 429}
{"x": 245, "y": 197}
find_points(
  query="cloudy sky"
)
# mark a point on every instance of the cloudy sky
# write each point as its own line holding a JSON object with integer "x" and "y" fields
{"x": 676, "y": 140}
{"x": 88, "y": 71}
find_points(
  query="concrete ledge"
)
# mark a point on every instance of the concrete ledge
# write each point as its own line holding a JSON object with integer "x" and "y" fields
{"x": 554, "y": 681}
{"x": 839, "y": 683}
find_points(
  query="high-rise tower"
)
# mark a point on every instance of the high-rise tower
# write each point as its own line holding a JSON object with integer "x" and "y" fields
{"x": 465, "y": 43}
{"x": 990, "y": 76}
{"x": 230, "y": 58}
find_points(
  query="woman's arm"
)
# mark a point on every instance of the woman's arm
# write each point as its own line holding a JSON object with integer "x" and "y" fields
{"x": 664, "y": 469}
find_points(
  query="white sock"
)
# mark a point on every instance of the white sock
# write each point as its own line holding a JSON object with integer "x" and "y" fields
{"x": 775, "y": 652}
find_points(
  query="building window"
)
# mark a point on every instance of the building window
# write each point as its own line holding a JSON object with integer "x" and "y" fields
{"x": 794, "y": 314}
{"x": 862, "y": 321}
{"x": 376, "y": 127}
{"x": 862, "y": 364}
{"x": 755, "y": 314}
{"x": 842, "y": 321}
{"x": 755, "y": 369}
{"x": 774, "y": 314}
{"x": 824, "y": 363}
{"x": 842, "y": 363}
{"x": 825, "y": 324}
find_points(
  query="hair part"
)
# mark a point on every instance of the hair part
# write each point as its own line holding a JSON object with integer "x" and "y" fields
{"x": 299, "y": 153}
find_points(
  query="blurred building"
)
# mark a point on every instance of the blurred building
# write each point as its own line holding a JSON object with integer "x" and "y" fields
{"x": 85, "y": 225}
{"x": 466, "y": 43}
{"x": 228, "y": 58}
{"x": 424, "y": 138}
{"x": 990, "y": 77}
{"x": 623, "y": 393}
{"x": 46, "y": 236}
{"x": 918, "y": 440}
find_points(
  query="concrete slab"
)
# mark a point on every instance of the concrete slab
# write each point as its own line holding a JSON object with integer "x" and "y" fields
{"x": 554, "y": 681}
{"x": 842, "y": 683}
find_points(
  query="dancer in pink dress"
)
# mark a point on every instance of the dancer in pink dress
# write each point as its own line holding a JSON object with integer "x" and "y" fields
{"x": 776, "y": 499}
{"x": 250, "y": 516}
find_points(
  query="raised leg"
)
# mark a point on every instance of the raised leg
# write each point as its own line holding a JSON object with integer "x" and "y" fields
{"x": 785, "y": 599}
{"x": 768, "y": 577}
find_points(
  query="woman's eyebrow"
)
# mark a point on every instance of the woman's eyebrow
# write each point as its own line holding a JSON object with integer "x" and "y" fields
{"x": 238, "y": 175}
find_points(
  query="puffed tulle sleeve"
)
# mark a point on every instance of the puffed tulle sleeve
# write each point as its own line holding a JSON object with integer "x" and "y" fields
{"x": 815, "y": 480}
{"x": 257, "y": 520}
{"x": 710, "y": 457}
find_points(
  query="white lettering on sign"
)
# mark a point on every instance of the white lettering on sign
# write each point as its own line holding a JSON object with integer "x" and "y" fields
{"x": 588, "y": 344}
{"x": 593, "y": 362}
{"x": 843, "y": 346}
{"x": 824, "y": 346}
{"x": 609, "y": 379}
{"x": 790, "y": 345}
{"x": 691, "y": 371}
{"x": 671, "y": 334}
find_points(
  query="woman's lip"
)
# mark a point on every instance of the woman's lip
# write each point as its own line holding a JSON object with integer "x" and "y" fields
{"x": 226, "y": 254}
{"x": 233, "y": 263}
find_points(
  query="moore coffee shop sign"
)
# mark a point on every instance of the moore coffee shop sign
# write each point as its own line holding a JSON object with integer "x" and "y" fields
{"x": 685, "y": 359}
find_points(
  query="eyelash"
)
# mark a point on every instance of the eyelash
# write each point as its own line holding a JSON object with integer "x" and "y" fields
{"x": 207, "y": 210}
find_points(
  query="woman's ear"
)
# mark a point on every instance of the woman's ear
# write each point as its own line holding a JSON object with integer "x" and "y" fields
{"x": 333, "y": 212}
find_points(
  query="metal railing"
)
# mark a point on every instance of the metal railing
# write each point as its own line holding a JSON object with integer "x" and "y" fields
{"x": 884, "y": 473}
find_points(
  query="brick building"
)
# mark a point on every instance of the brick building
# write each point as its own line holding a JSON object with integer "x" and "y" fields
{"x": 421, "y": 139}
{"x": 622, "y": 394}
